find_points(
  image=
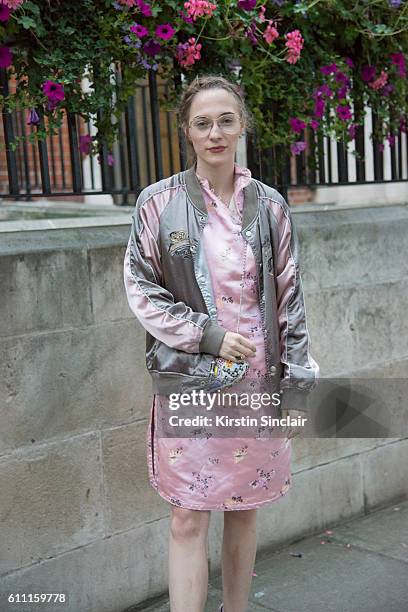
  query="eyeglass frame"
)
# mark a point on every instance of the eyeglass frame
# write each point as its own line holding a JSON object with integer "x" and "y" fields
{"x": 216, "y": 120}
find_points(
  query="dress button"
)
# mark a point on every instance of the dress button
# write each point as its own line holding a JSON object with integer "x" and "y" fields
{"x": 248, "y": 232}
{"x": 263, "y": 298}
{"x": 193, "y": 248}
{"x": 272, "y": 369}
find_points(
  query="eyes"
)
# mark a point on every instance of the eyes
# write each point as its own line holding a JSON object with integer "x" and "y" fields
{"x": 226, "y": 123}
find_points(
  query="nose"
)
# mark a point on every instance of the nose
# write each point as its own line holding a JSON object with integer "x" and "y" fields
{"x": 215, "y": 127}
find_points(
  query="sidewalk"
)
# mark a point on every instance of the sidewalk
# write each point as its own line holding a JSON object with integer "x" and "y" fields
{"x": 358, "y": 566}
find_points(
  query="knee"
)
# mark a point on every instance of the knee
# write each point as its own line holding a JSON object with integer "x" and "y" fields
{"x": 241, "y": 517}
{"x": 188, "y": 524}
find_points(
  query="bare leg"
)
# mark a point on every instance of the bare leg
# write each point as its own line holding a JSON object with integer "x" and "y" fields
{"x": 238, "y": 558}
{"x": 188, "y": 559}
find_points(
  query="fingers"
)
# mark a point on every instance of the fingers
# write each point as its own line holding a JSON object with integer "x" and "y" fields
{"x": 236, "y": 347}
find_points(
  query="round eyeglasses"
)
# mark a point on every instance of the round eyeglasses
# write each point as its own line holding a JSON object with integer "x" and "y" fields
{"x": 229, "y": 124}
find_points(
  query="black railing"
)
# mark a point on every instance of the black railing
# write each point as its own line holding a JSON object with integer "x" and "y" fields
{"x": 151, "y": 147}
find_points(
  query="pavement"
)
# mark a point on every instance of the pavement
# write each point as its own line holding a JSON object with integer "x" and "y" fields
{"x": 358, "y": 566}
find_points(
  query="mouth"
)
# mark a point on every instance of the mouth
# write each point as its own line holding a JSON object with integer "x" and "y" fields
{"x": 217, "y": 149}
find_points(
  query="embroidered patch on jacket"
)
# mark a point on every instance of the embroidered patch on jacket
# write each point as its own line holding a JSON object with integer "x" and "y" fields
{"x": 180, "y": 244}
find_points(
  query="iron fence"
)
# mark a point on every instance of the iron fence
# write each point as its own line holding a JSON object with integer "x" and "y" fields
{"x": 150, "y": 147}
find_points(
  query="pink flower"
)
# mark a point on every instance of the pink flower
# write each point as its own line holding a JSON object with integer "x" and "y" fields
{"x": 4, "y": 13}
{"x": 294, "y": 44}
{"x": 298, "y": 147}
{"x": 13, "y": 4}
{"x": 349, "y": 61}
{"x": 297, "y": 125}
{"x": 189, "y": 52}
{"x": 343, "y": 112}
{"x": 261, "y": 14}
{"x": 85, "y": 143}
{"x": 314, "y": 124}
{"x": 271, "y": 33}
{"x": 128, "y": 2}
{"x": 164, "y": 31}
{"x": 352, "y": 130}
{"x": 379, "y": 81}
{"x": 110, "y": 159}
{"x": 139, "y": 30}
{"x": 6, "y": 57}
{"x": 199, "y": 8}
{"x": 54, "y": 91}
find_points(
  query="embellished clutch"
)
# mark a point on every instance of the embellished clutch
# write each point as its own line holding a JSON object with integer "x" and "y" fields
{"x": 224, "y": 373}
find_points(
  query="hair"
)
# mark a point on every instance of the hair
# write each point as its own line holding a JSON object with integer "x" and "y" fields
{"x": 201, "y": 83}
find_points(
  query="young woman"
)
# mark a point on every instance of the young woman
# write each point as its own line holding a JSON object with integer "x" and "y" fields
{"x": 211, "y": 270}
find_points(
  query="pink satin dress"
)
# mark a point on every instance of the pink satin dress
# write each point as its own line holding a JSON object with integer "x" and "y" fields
{"x": 218, "y": 473}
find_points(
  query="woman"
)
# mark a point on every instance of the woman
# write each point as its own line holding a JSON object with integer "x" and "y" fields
{"x": 214, "y": 201}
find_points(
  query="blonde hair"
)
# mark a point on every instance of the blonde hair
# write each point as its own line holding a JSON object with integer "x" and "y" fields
{"x": 204, "y": 82}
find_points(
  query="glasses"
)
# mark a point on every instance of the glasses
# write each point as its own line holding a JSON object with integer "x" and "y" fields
{"x": 229, "y": 124}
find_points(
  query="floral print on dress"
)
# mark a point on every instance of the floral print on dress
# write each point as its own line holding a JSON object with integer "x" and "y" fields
{"x": 201, "y": 484}
{"x": 234, "y": 500}
{"x": 263, "y": 478}
{"x": 240, "y": 453}
{"x": 174, "y": 454}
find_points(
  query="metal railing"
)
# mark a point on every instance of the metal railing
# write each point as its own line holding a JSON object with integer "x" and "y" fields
{"x": 151, "y": 147}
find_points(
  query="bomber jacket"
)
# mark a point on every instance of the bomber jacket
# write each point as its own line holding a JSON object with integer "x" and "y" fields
{"x": 168, "y": 287}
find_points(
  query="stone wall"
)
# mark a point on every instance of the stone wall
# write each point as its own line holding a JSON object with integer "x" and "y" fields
{"x": 77, "y": 514}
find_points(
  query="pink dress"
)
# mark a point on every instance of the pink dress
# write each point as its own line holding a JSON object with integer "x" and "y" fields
{"x": 217, "y": 473}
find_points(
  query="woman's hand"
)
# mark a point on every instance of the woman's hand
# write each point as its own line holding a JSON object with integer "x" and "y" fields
{"x": 236, "y": 347}
{"x": 292, "y": 430}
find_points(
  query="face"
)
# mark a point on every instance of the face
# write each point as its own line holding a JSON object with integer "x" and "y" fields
{"x": 209, "y": 105}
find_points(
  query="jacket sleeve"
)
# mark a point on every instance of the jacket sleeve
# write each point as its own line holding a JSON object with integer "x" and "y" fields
{"x": 171, "y": 322}
{"x": 300, "y": 371}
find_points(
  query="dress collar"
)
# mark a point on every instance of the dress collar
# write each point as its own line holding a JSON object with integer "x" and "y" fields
{"x": 194, "y": 191}
{"x": 242, "y": 177}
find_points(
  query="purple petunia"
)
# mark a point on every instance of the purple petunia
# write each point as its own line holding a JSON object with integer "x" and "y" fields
{"x": 343, "y": 112}
{"x": 342, "y": 92}
{"x": 164, "y": 31}
{"x": 54, "y": 91}
{"x": 139, "y": 30}
{"x": 6, "y": 57}
{"x": 298, "y": 147}
{"x": 319, "y": 108}
{"x": 247, "y": 5}
{"x": 328, "y": 69}
{"x": 151, "y": 47}
{"x": 85, "y": 143}
{"x": 368, "y": 73}
{"x": 33, "y": 118}
{"x": 296, "y": 125}
{"x": 144, "y": 8}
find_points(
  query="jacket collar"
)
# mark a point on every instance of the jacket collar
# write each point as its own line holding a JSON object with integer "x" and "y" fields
{"x": 195, "y": 194}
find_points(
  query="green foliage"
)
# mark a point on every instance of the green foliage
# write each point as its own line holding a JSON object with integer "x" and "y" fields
{"x": 62, "y": 42}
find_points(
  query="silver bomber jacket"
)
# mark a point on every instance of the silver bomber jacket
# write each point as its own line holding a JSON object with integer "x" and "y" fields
{"x": 168, "y": 287}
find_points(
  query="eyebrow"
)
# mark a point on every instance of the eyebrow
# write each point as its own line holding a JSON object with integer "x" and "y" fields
{"x": 205, "y": 116}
